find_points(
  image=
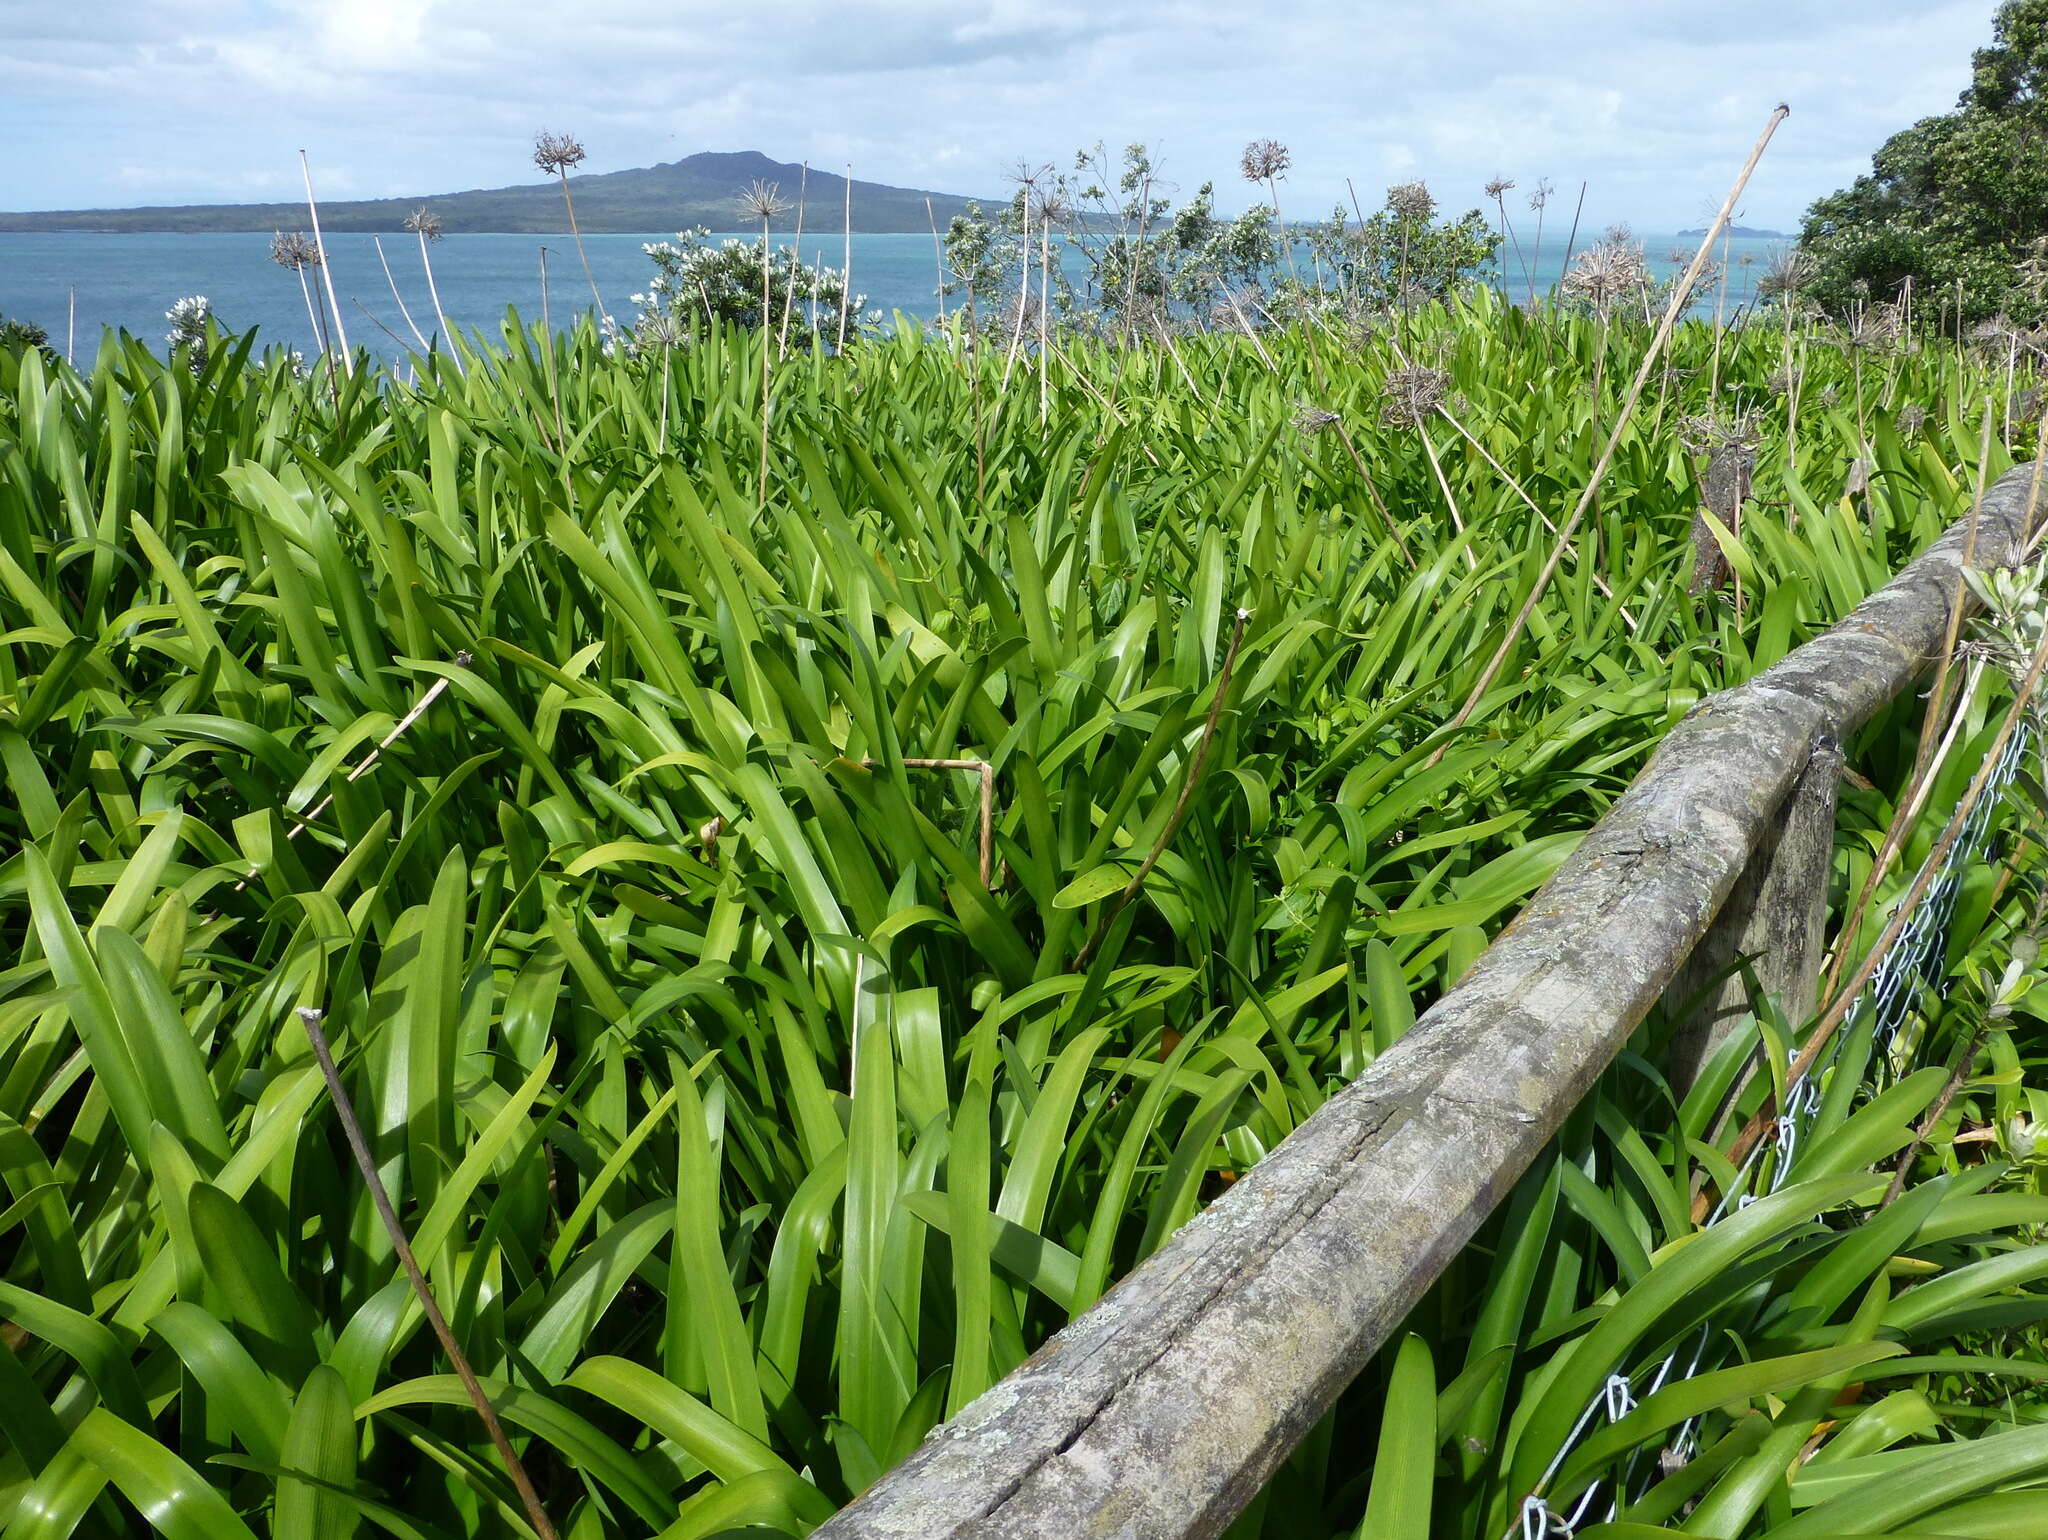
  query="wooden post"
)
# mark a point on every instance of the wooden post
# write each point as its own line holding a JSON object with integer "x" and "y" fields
{"x": 1159, "y": 1413}
{"x": 1776, "y": 915}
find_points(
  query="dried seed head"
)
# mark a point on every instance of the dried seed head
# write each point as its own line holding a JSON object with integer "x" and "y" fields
{"x": 1608, "y": 271}
{"x": 294, "y": 250}
{"x": 760, "y": 202}
{"x": 1498, "y": 186}
{"x": 1411, "y": 395}
{"x": 1703, "y": 432}
{"x": 1049, "y": 206}
{"x": 556, "y": 154}
{"x": 1877, "y": 326}
{"x": 425, "y": 222}
{"x": 1411, "y": 200}
{"x": 1313, "y": 419}
{"x": 1786, "y": 275}
{"x": 1540, "y": 196}
{"x": 1912, "y": 418}
{"x": 1264, "y": 160}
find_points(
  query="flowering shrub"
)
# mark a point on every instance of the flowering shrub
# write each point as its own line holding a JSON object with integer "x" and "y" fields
{"x": 1151, "y": 262}
{"x": 696, "y": 283}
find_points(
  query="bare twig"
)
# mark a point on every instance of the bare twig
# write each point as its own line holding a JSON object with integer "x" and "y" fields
{"x": 1958, "y": 1071}
{"x": 423, "y": 224}
{"x": 846, "y": 269}
{"x": 796, "y": 262}
{"x": 1450, "y": 498}
{"x": 1764, "y": 1121}
{"x": 326, "y": 271}
{"x": 1927, "y": 759}
{"x": 360, "y": 1148}
{"x": 1901, "y": 825}
{"x": 1365, "y": 480}
{"x": 1517, "y": 488}
{"x": 987, "y": 772}
{"x": 1962, "y": 597}
{"x": 371, "y": 316}
{"x": 384, "y": 262}
{"x": 303, "y": 821}
{"x": 1679, "y": 297}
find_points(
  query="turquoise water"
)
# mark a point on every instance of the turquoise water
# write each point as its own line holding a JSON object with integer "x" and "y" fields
{"x": 130, "y": 280}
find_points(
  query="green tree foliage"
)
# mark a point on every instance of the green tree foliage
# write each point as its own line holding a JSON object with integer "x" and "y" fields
{"x": 20, "y": 336}
{"x": 1147, "y": 263}
{"x": 1956, "y": 200}
{"x": 1401, "y": 256}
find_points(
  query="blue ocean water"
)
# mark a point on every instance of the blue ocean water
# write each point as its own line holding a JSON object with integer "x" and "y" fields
{"x": 129, "y": 281}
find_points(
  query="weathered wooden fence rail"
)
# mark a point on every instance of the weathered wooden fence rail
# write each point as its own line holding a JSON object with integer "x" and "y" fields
{"x": 1159, "y": 1413}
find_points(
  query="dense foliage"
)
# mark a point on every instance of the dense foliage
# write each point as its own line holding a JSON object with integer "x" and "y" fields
{"x": 698, "y": 284}
{"x": 1956, "y": 204}
{"x": 1151, "y": 264}
{"x": 19, "y": 336}
{"x": 743, "y": 1123}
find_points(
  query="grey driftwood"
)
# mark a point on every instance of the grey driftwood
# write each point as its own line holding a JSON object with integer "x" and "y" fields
{"x": 1161, "y": 1411}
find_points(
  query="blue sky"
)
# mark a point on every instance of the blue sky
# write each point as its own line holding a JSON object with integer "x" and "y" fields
{"x": 1653, "y": 104}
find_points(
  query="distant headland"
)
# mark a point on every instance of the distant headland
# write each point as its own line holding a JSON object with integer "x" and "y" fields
{"x": 701, "y": 189}
{"x": 1745, "y": 230}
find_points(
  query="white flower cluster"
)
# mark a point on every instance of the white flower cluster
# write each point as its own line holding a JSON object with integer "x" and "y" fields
{"x": 695, "y": 280}
{"x": 188, "y": 318}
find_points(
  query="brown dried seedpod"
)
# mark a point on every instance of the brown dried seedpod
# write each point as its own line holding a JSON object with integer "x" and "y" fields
{"x": 556, "y": 154}
{"x": 1411, "y": 395}
{"x": 1264, "y": 160}
{"x": 294, "y": 249}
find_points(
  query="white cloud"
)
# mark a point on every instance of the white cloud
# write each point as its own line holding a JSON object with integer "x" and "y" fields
{"x": 1654, "y": 105}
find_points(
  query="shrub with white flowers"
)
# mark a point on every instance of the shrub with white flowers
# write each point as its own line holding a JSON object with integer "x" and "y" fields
{"x": 696, "y": 282}
{"x": 189, "y": 319}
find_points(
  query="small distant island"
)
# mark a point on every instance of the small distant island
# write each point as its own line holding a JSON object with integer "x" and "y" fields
{"x": 1747, "y": 230}
{"x": 702, "y": 189}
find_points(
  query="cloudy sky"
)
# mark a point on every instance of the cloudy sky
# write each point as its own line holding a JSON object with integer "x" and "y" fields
{"x": 1653, "y": 104}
